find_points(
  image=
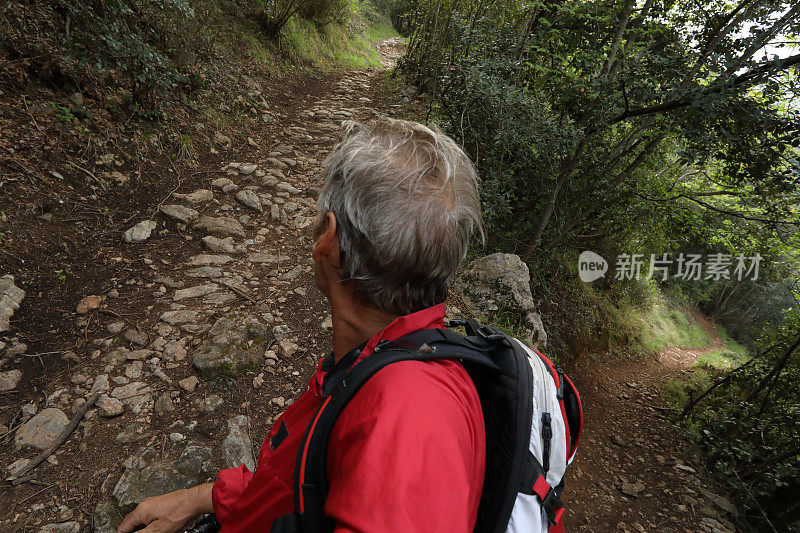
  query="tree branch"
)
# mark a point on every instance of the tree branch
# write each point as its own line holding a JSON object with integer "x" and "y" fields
{"x": 759, "y": 42}
{"x": 724, "y": 28}
{"x": 718, "y": 209}
{"x": 752, "y": 75}
{"x": 623, "y": 23}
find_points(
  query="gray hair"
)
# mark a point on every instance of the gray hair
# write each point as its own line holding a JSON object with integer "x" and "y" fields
{"x": 406, "y": 201}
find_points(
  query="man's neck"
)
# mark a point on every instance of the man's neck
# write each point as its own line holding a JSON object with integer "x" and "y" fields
{"x": 354, "y": 323}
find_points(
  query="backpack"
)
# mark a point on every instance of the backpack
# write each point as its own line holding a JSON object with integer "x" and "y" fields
{"x": 532, "y": 416}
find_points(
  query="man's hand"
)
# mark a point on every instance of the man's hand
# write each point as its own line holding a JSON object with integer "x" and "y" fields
{"x": 170, "y": 512}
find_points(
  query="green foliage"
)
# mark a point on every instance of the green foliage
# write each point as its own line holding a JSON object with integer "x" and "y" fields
{"x": 750, "y": 428}
{"x": 62, "y": 113}
{"x": 641, "y": 143}
{"x": 141, "y": 55}
{"x": 325, "y": 11}
{"x": 661, "y": 326}
{"x": 150, "y": 47}
{"x": 678, "y": 392}
{"x": 641, "y": 319}
{"x": 331, "y": 46}
{"x": 274, "y": 15}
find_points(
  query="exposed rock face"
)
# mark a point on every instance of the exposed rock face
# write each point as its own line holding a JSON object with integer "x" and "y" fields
{"x": 497, "y": 288}
{"x": 90, "y": 303}
{"x": 181, "y": 316}
{"x": 109, "y": 407}
{"x": 200, "y": 196}
{"x": 221, "y": 246}
{"x": 147, "y": 474}
{"x": 232, "y": 344}
{"x": 10, "y": 298}
{"x": 249, "y": 199}
{"x": 61, "y": 527}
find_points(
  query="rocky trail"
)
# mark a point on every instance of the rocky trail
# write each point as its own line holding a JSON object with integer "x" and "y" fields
{"x": 195, "y": 321}
{"x": 634, "y": 472}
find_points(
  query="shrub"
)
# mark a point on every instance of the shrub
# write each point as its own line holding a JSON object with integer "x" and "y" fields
{"x": 324, "y": 11}
{"x": 148, "y": 48}
{"x": 273, "y": 15}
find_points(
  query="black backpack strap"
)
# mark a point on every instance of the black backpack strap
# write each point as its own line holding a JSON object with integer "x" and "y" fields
{"x": 534, "y": 481}
{"x": 311, "y": 483}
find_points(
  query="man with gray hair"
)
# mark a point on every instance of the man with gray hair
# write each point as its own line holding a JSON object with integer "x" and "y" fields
{"x": 398, "y": 208}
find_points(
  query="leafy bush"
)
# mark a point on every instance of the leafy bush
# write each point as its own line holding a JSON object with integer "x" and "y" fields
{"x": 325, "y": 11}
{"x": 273, "y": 15}
{"x": 750, "y": 428}
{"x": 148, "y": 48}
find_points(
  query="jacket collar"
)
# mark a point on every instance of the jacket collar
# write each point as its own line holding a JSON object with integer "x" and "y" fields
{"x": 430, "y": 318}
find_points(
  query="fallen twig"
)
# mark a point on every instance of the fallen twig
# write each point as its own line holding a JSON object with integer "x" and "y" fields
{"x": 90, "y": 174}
{"x": 48, "y": 487}
{"x": 41, "y": 353}
{"x": 10, "y": 431}
{"x": 17, "y": 478}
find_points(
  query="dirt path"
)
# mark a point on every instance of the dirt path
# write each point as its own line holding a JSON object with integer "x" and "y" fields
{"x": 633, "y": 471}
{"x": 230, "y": 242}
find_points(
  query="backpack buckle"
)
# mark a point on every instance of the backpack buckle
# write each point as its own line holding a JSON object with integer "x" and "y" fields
{"x": 551, "y": 504}
{"x": 489, "y": 333}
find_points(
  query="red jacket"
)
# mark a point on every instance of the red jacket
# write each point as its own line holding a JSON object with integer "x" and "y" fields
{"x": 407, "y": 454}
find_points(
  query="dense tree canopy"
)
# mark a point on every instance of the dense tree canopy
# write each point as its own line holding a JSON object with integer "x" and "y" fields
{"x": 592, "y": 120}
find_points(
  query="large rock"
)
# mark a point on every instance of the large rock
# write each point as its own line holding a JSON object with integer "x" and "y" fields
{"x": 10, "y": 298}
{"x": 221, "y": 246}
{"x": 42, "y": 430}
{"x": 61, "y": 527}
{"x": 109, "y": 407}
{"x": 196, "y": 291}
{"x": 208, "y": 259}
{"x": 223, "y": 226}
{"x": 233, "y": 344}
{"x": 136, "y": 396}
{"x": 237, "y": 447}
{"x": 249, "y": 199}
{"x": 497, "y": 288}
{"x": 140, "y": 232}
{"x": 180, "y": 213}
{"x": 147, "y": 474}
{"x": 9, "y": 380}
{"x": 200, "y": 196}
{"x": 180, "y": 316}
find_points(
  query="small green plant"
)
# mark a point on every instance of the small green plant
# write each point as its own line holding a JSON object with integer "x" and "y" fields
{"x": 60, "y": 275}
{"x": 221, "y": 383}
{"x": 62, "y": 114}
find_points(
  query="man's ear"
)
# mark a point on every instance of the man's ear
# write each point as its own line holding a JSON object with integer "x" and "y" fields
{"x": 326, "y": 247}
